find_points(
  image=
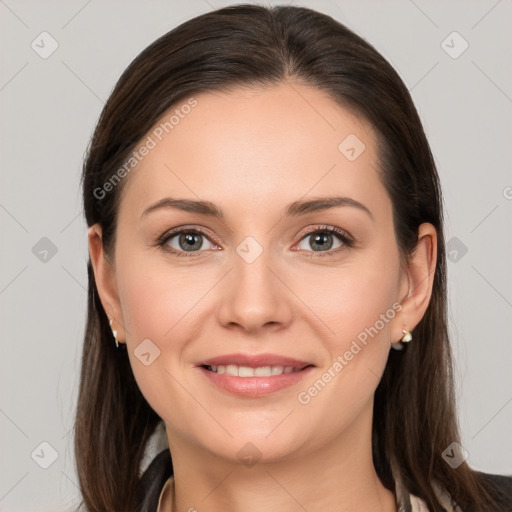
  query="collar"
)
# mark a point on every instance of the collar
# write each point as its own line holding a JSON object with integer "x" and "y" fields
{"x": 408, "y": 502}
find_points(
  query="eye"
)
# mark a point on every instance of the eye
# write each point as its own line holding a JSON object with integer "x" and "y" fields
{"x": 324, "y": 238}
{"x": 185, "y": 240}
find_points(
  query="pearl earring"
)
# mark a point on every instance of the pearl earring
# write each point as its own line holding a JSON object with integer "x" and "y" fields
{"x": 114, "y": 332}
{"x": 406, "y": 338}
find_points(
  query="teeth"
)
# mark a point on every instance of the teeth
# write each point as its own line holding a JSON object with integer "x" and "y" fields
{"x": 232, "y": 369}
{"x": 262, "y": 371}
{"x": 277, "y": 370}
{"x": 247, "y": 371}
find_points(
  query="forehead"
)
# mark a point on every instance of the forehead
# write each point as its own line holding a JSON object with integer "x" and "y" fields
{"x": 255, "y": 147}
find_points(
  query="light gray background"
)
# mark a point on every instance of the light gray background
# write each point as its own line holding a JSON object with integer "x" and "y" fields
{"x": 48, "y": 110}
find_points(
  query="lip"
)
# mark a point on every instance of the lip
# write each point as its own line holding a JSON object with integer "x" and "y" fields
{"x": 252, "y": 387}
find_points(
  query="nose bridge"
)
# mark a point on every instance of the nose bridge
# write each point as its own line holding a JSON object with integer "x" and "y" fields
{"x": 254, "y": 296}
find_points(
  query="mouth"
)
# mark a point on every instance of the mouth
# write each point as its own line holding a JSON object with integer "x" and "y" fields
{"x": 254, "y": 376}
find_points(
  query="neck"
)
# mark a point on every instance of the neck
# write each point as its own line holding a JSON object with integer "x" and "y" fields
{"x": 337, "y": 476}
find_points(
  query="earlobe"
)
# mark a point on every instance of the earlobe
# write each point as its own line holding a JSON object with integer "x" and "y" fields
{"x": 420, "y": 279}
{"x": 104, "y": 277}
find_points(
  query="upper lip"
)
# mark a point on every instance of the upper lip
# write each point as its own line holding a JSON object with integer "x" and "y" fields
{"x": 255, "y": 361}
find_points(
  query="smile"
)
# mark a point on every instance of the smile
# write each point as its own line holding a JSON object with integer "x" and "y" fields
{"x": 253, "y": 375}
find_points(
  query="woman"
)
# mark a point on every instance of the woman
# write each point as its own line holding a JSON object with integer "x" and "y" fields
{"x": 267, "y": 280}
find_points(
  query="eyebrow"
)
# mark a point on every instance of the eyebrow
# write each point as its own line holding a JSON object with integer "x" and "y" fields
{"x": 295, "y": 209}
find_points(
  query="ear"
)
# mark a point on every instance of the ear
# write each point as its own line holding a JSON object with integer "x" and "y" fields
{"x": 104, "y": 275}
{"x": 416, "y": 288}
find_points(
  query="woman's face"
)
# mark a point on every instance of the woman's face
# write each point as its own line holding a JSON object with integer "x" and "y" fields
{"x": 265, "y": 280}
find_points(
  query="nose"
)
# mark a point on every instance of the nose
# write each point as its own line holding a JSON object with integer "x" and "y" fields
{"x": 254, "y": 296}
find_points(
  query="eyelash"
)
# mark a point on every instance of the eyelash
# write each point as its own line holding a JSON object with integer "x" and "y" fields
{"x": 343, "y": 236}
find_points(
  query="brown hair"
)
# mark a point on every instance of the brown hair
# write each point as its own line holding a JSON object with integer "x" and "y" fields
{"x": 247, "y": 45}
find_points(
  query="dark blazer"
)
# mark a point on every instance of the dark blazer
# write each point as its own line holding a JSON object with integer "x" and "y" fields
{"x": 153, "y": 480}
{"x": 160, "y": 469}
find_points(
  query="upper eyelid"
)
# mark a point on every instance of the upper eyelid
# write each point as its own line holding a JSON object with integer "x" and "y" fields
{"x": 325, "y": 227}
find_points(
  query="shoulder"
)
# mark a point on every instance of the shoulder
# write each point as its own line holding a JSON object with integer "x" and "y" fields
{"x": 153, "y": 479}
{"x": 500, "y": 487}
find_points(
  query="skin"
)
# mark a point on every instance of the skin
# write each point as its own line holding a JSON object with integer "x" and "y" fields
{"x": 252, "y": 152}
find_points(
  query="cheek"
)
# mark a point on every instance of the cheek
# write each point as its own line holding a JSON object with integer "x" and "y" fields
{"x": 357, "y": 303}
{"x": 167, "y": 303}
{"x": 353, "y": 300}
{"x": 159, "y": 308}
{"x": 365, "y": 303}
{"x": 158, "y": 296}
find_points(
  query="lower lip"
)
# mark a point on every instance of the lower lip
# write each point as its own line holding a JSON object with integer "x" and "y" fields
{"x": 255, "y": 386}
